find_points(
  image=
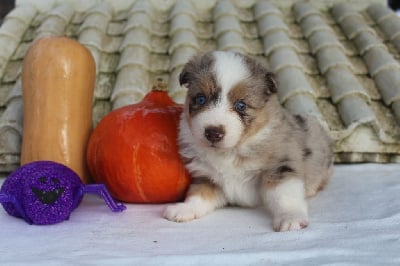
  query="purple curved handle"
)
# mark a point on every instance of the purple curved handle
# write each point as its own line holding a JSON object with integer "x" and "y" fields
{"x": 7, "y": 198}
{"x": 101, "y": 190}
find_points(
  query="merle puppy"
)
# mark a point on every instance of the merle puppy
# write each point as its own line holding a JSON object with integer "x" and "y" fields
{"x": 242, "y": 148}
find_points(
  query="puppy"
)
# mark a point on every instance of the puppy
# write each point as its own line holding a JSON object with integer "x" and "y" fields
{"x": 242, "y": 148}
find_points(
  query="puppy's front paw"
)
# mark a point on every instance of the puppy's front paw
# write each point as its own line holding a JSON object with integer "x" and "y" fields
{"x": 289, "y": 222}
{"x": 182, "y": 212}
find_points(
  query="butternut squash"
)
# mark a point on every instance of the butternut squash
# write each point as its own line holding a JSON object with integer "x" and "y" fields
{"x": 58, "y": 77}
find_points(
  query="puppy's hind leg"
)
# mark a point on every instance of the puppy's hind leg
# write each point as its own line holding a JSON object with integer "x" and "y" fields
{"x": 286, "y": 201}
{"x": 201, "y": 199}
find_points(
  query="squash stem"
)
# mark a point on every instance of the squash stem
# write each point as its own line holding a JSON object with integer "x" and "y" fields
{"x": 160, "y": 85}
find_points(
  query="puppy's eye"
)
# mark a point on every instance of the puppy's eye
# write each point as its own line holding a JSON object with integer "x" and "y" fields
{"x": 200, "y": 99}
{"x": 240, "y": 106}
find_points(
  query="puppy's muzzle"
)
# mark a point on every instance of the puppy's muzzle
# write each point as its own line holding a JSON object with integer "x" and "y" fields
{"x": 214, "y": 134}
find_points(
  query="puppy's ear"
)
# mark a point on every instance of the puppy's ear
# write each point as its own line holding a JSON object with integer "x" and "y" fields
{"x": 272, "y": 87}
{"x": 198, "y": 67}
{"x": 263, "y": 75}
{"x": 184, "y": 77}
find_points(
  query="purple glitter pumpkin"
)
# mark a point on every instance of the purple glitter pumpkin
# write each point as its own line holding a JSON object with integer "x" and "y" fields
{"x": 46, "y": 192}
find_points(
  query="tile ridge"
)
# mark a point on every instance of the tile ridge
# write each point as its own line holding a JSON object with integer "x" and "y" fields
{"x": 92, "y": 32}
{"x": 11, "y": 119}
{"x": 128, "y": 89}
{"x": 333, "y": 64}
{"x": 133, "y": 69}
{"x": 55, "y": 21}
{"x": 14, "y": 26}
{"x": 295, "y": 91}
{"x": 227, "y": 30}
{"x": 387, "y": 21}
{"x": 382, "y": 66}
{"x": 183, "y": 46}
{"x": 384, "y": 69}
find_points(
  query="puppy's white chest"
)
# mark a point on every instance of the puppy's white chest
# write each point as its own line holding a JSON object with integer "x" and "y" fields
{"x": 238, "y": 184}
{"x": 240, "y": 191}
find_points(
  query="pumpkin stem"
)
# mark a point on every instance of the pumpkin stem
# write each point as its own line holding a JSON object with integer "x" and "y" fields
{"x": 161, "y": 85}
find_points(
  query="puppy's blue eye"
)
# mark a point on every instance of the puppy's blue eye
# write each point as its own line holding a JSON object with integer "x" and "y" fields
{"x": 200, "y": 99}
{"x": 240, "y": 106}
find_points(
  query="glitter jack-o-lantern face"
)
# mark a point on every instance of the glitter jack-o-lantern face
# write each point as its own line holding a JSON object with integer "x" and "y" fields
{"x": 48, "y": 196}
{"x": 46, "y": 191}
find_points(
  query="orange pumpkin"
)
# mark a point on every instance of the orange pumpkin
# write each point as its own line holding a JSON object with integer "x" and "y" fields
{"x": 134, "y": 151}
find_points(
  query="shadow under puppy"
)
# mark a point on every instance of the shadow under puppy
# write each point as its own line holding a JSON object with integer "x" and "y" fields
{"x": 242, "y": 148}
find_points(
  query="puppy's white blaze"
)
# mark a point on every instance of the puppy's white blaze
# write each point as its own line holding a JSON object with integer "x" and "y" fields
{"x": 229, "y": 69}
{"x": 219, "y": 115}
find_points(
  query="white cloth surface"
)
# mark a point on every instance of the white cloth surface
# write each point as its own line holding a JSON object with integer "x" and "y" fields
{"x": 354, "y": 221}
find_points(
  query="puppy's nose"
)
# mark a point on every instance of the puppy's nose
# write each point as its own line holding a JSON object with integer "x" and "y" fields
{"x": 214, "y": 134}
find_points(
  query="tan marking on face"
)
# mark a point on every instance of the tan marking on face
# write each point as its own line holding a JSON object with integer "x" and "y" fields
{"x": 251, "y": 92}
{"x": 198, "y": 77}
{"x": 257, "y": 92}
{"x": 261, "y": 108}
